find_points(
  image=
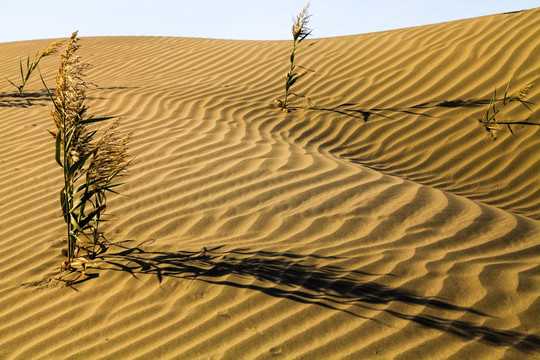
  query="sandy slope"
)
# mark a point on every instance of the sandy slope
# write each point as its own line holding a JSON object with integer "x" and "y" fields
{"x": 383, "y": 222}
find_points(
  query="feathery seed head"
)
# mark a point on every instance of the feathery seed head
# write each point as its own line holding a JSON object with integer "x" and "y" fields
{"x": 69, "y": 100}
{"x": 523, "y": 92}
{"x": 52, "y": 48}
{"x": 299, "y": 27}
{"x": 110, "y": 158}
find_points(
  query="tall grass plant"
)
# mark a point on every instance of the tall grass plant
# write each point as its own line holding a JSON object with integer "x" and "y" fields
{"x": 90, "y": 168}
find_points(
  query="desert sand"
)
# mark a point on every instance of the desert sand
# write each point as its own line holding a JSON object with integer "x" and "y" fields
{"x": 382, "y": 221}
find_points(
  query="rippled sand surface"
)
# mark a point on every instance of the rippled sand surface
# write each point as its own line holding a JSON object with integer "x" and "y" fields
{"x": 381, "y": 221}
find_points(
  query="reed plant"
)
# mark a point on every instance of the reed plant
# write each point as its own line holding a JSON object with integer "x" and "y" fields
{"x": 493, "y": 110}
{"x": 90, "y": 167}
{"x": 32, "y": 65}
{"x": 300, "y": 32}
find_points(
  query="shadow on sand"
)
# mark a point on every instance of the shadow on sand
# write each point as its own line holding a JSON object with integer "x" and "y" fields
{"x": 357, "y": 111}
{"x": 297, "y": 277}
{"x": 28, "y": 99}
{"x": 362, "y": 113}
{"x": 40, "y": 98}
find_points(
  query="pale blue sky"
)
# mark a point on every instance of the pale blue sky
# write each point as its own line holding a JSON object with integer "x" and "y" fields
{"x": 231, "y": 19}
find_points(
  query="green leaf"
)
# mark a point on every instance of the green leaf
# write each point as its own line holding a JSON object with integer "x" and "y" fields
{"x": 81, "y": 202}
{"x": 486, "y": 115}
{"x": 93, "y": 119}
{"x": 305, "y": 36}
{"x": 21, "y": 68}
{"x": 51, "y": 96}
{"x": 492, "y": 104}
{"x": 506, "y": 93}
{"x": 63, "y": 203}
{"x": 57, "y": 150}
{"x": 90, "y": 216}
{"x": 74, "y": 222}
{"x": 69, "y": 134}
{"x": 526, "y": 104}
{"x": 290, "y": 75}
{"x": 29, "y": 70}
{"x": 295, "y": 78}
{"x": 79, "y": 164}
{"x": 77, "y": 205}
{"x": 305, "y": 68}
{"x": 109, "y": 187}
{"x": 88, "y": 184}
{"x": 82, "y": 187}
{"x": 12, "y": 83}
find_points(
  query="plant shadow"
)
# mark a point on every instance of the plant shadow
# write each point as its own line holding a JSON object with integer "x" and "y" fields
{"x": 40, "y": 98}
{"x": 354, "y": 110}
{"x": 25, "y": 100}
{"x": 300, "y": 278}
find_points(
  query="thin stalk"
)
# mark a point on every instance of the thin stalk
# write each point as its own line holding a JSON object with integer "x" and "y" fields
{"x": 68, "y": 188}
{"x": 289, "y": 75}
{"x": 300, "y": 32}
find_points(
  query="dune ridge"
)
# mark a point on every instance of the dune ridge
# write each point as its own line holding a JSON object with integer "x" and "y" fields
{"x": 382, "y": 221}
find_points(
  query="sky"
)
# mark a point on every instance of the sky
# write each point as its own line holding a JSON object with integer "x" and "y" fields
{"x": 231, "y": 19}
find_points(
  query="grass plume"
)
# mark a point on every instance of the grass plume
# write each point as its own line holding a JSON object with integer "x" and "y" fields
{"x": 31, "y": 65}
{"x": 90, "y": 168}
{"x": 108, "y": 162}
{"x": 300, "y": 32}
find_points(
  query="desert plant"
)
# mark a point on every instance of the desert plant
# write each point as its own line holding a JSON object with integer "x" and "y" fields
{"x": 31, "y": 65}
{"x": 300, "y": 32}
{"x": 89, "y": 167}
{"x": 489, "y": 120}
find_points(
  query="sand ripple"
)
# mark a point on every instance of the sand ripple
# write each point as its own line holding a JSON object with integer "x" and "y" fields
{"x": 380, "y": 221}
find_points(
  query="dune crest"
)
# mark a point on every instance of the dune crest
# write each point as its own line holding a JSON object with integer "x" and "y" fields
{"x": 382, "y": 221}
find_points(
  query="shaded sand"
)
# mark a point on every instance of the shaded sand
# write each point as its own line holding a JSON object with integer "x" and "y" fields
{"x": 382, "y": 223}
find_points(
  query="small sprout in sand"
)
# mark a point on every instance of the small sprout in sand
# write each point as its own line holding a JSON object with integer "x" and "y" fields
{"x": 489, "y": 120}
{"x": 90, "y": 168}
{"x": 31, "y": 66}
{"x": 300, "y": 32}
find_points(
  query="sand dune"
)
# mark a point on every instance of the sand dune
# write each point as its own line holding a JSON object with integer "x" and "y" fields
{"x": 380, "y": 222}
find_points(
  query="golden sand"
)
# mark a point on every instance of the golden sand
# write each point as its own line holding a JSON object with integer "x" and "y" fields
{"x": 382, "y": 223}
